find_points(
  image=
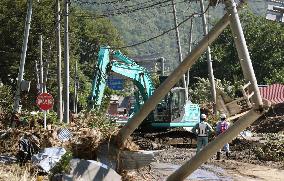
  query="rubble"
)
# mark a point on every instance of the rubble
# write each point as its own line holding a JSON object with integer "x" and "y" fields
{"x": 48, "y": 158}
{"x": 90, "y": 170}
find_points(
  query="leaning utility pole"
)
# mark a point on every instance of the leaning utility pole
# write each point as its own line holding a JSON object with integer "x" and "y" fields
{"x": 23, "y": 56}
{"x": 58, "y": 47}
{"x": 179, "y": 47}
{"x": 66, "y": 62}
{"x": 209, "y": 60}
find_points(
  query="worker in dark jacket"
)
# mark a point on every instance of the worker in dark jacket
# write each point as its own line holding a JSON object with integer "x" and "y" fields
{"x": 202, "y": 131}
{"x": 221, "y": 127}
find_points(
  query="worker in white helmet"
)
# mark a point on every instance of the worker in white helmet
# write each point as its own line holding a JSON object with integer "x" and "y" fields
{"x": 221, "y": 127}
{"x": 202, "y": 131}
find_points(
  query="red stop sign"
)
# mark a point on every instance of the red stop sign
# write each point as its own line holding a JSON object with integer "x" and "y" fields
{"x": 45, "y": 101}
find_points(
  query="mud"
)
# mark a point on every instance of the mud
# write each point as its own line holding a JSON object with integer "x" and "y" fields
{"x": 259, "y": 157}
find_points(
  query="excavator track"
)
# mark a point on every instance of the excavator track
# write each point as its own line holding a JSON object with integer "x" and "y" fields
{"x": 160, "y": 139}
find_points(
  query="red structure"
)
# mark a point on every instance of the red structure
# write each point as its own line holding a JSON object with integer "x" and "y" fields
{"x": 274, "y": 93}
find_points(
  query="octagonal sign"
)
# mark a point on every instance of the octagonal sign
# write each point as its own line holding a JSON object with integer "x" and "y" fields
{"x": 45, "y": 101}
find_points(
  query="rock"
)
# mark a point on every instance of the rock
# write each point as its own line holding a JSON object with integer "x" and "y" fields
{"x": 124, "y": 159}
{"x": 90, "y": 170}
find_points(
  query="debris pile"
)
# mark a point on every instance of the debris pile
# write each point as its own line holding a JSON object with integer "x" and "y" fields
{"x": 266, "y": 146}
{"x": 81, "y": 138}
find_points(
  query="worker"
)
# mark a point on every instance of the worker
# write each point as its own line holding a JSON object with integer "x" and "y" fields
{"x": 221, "y": 127}
{"x": 202, "y": 131}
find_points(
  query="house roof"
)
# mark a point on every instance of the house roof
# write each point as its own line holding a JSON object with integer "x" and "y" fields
{"x": 274, "y": 93}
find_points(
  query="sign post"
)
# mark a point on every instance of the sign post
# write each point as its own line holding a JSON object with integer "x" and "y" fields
{"x": 45, "y": 102}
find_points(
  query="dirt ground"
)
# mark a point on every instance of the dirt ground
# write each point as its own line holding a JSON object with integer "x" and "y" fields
{"x": 230, "y": 169}
{"x": 259, "y": 157}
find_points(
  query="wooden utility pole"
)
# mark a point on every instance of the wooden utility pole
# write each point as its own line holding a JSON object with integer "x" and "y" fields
{"x": 58, "y": 47}
{"x": 23, "y": 57}
{"x": 179, "y": 47}
{"x": 66, "y": 62}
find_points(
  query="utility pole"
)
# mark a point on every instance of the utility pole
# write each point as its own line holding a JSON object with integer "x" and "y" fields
{"x": 66, "y": 62}
{"x": 209, "y": 60}
{"x": 41, "y": 65}
{"x": 41, "y": 77}
{"x": 179, "y": 47}
{"x": 46, "y": 65}
{"x": 189, "y": 46}
{"x": 23, "y": 57}
{"x": 75, "y": 88}
{"x": 37, "y": 74}
{"x": 58, "y": 47}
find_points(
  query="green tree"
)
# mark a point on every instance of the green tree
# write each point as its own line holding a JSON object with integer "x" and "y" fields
{"x": 265, "y": 43}
{"x": 86, "y": 36}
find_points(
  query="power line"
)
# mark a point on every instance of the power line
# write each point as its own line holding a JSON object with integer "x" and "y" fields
{"x": 102, "y": 3}
{"x": 165, "y": 32}
{"x": 130, "y": 9}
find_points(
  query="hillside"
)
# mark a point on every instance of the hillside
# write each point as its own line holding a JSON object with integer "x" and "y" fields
{"x": 137, "y": 24}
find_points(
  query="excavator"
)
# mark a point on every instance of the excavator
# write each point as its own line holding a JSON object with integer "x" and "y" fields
{"x": 174, "y": 111}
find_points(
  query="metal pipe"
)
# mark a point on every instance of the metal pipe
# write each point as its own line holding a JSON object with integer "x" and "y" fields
{"x": 190, "y": 166}
{"x": 243, "y": 51}
{"x": 41, "y": 65}
{"x": 23, "y": 56}
{"x": 66, "y": 62}
{"x": 165, "y": 87}
{"x": 209, "y": 59}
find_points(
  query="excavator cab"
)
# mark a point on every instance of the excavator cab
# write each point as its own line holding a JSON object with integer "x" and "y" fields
{"x": 177, "y": 102}
{"x": 175, "y": 111}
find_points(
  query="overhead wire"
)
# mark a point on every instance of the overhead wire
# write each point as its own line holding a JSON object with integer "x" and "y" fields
{"x": 154, "y": 5}
{"x": 141, "y": 8}
{"x": 165, "y": 32}
{"x": 100, "y": 3}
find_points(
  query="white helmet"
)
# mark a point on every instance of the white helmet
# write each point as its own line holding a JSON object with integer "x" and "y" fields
{"x": 203, "y": 116}
{"x": 223, "y": 116}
